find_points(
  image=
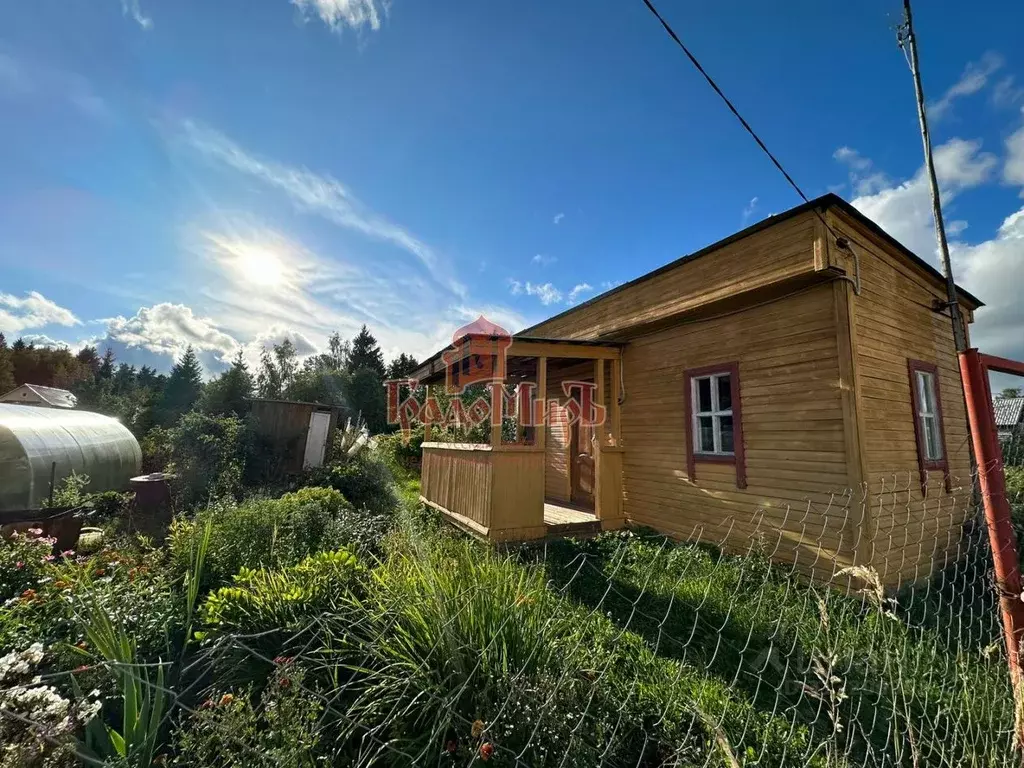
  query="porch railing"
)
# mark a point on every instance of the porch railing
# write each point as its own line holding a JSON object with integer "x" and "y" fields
{"x": 493, "y": 491}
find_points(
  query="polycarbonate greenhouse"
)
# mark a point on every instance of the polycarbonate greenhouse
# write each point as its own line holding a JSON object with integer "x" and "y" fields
{"x": 33, "y": 439}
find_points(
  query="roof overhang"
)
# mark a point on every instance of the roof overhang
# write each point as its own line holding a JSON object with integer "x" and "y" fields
{"x": 433, "y": 369}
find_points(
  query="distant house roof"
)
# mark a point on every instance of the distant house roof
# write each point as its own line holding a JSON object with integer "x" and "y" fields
{"x": 36, "y": 394}
{"x": 1009, "y": 411}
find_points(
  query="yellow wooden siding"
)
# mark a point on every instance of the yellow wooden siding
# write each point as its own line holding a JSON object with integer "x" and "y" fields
{"x": 792, "y": 416}
{"x": 769, "y": 256}
{"x": 893, "y": 321}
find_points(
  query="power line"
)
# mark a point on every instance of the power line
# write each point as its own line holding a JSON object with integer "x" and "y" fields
{"x": 728, "y": 103}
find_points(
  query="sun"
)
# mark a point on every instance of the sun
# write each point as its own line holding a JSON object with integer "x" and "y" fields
{"x": 258, "y": 265}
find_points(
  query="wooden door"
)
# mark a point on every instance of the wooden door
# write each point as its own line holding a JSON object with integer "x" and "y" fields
{"x": 581, "y": 455}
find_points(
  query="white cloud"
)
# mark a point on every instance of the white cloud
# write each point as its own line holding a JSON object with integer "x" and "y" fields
{"x": 320, "y": 194}
{"x": 1013, "y": 170}
{"x": 751, "y": 207}
{"x": 546, "y": 292}
{"x": 32, "y": 311}
{"x": 905, "y": 211}
{"x": 543, "y": 260}
{"x": 558, "y": 218}
{"x": 338, "y": 14}
{"x": 1006, "y": 93}
{"x": 993, "y": 269}
{"x": 167, "y": 329}
{"x": 975, "y": 76}
{"x": 578, "y": 290}
{"x": 42, "y": 340}
{"x": 864, "y": 179}
{"x": 131, "y": 8}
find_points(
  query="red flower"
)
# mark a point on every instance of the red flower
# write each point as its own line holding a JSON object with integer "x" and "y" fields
{"x": 451, "y": 746}
{"x": 283, "y": 660}
{"x": 100, "y": 572}
{"x": 206, "y": 704}
{"x": 285, "y": 682}
{"x": 28, "y": 594}
{"x": 486, "y": 750}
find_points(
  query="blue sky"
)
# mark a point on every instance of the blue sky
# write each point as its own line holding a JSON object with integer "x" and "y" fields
{"x": 229, "y": 173}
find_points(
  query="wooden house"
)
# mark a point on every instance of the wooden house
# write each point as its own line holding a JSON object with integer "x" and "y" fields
{"x": 793, "y": 387}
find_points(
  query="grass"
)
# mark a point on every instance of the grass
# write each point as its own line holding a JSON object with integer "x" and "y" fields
{"x": 870, "y": 685}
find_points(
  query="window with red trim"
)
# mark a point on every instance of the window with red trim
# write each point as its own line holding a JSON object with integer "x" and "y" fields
{"x": 929, "y": 433}
{"x": 713, "y": 418}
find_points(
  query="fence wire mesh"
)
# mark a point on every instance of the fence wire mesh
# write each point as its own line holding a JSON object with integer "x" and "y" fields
{"x": 627, "y": 649}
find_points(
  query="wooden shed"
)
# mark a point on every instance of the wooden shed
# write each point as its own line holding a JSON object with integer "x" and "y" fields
{"x": 299, "y": 433}
{"x": 793, "y": 387}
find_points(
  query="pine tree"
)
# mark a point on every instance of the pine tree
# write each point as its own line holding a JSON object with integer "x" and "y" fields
{"x": 7, "y": 381}
{"x": 402, "y": 366}
{"x": 184, "y": 387}
{"x": 366, "y": 354}
{"x": 106, "y": 370}
{"x": 231, "y": 391}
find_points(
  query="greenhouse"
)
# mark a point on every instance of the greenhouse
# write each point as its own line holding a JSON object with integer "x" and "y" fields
{"x": 37, "y": 444}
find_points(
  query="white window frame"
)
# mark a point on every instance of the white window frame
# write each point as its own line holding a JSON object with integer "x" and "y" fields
{"x": 926, "y": 393}
{"x": 716, "y": 413}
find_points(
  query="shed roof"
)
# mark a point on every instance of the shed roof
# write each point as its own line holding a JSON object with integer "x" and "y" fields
{"x": 1009, "y": 411}
{"x": 58, "y": 398}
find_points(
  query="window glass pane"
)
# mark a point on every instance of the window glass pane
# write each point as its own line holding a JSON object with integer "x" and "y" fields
{"x": 932, "y": 441}
{"x": 705, "y": 434}
{"x": 725, "y": 429}
{"x": 926, "y": 391}
{"x": 724, "y": 393}
{"x": 703, "y": 395}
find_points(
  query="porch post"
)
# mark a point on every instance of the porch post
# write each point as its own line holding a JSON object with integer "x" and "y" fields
{"x": 540, "y": 431}
{"x": 427, "y": 426}
{"x": 599, "y": 440}
{"x": 497, "y": 398}
{"x": 615, "y": 412}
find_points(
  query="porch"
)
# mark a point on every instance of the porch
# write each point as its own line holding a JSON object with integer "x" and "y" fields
{"x": 559, "y": 475}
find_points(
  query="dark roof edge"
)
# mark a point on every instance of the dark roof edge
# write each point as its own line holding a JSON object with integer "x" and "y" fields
{"x": 823, "y": 202}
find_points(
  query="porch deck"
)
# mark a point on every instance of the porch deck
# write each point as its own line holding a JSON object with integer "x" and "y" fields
{"x": 569, "y": 521}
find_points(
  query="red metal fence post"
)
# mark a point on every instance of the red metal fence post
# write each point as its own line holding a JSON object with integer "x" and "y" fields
{"x": 1001, "y": 535}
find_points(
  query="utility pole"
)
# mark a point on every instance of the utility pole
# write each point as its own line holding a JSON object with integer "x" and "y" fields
{"x": 908, "y": 41}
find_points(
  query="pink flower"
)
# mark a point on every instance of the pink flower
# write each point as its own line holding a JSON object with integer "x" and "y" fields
{"x": 486, "y": 750}
{"x": 19, "y": 565}
{"x": 36, "y": 531}
{"x": 48, "y": 559}
{"x": 68, "y": 553}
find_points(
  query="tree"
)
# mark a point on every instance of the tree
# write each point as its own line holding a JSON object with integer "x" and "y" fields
{"x": 367, "y": 399}
{"x": 366, "y": 354}
{"x": 334, "y": 359}
{"x": 184, "y": 386}
{"x": 230, "y": 392}
{"x": 106, "y": 370}
{"x": 1010, "y": 392}
{"x": 124, "y": 379}
{"x": 7, "y": 382}
{"x": 402, "y": 366}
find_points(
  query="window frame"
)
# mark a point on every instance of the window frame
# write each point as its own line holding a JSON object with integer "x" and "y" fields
{"x": 737, "y": 458}
{"x": 925, "y": 464}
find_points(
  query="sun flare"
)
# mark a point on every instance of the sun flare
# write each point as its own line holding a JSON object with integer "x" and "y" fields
{"x": 259, "y": 265}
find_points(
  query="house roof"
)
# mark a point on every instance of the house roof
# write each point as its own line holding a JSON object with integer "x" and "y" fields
{"x": 822, "y": 203}
{"x": 58, "y": 398}
{"x": 1009, "y": 411}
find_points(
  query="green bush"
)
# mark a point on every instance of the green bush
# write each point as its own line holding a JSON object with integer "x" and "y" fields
{"x": 207, "y": 457}
{"x": 365, "y": 480}
{"x": 261, "y": 532}
{"x": 399, "y": 452}
{"x": 281, "y": 730}
{"x": 133, "y": 586}
{"x": 267, "y": 608}
{"x": 23, "y": 562}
